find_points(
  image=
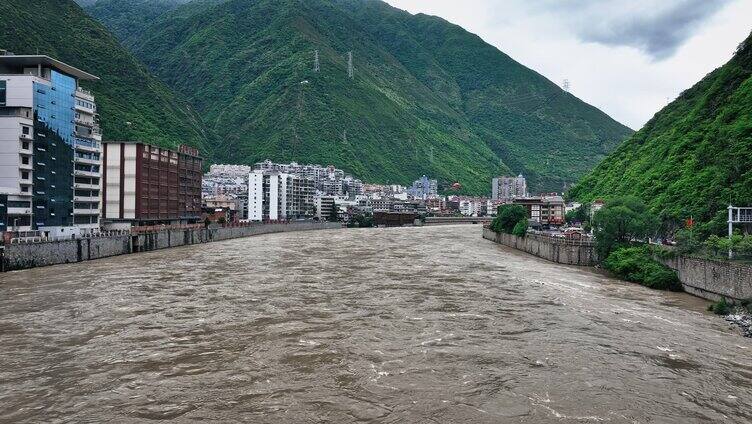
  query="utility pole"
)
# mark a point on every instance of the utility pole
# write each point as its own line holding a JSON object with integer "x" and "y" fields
{"x": 316, "y": 64}
{"x": 566, "y": 85}
{"x": 350, "y": 64}
{"x": 730, "y": 230}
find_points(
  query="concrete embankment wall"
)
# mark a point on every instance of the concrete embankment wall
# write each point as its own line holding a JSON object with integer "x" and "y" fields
{"x": 703, "y": 278}
{"x": 712, "y": 279}
{"x": 568, "y": 253}
{"x": 24, "y": 256}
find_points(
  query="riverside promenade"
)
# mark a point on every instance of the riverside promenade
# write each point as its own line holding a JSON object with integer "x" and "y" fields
{"x": 17, "y": 256}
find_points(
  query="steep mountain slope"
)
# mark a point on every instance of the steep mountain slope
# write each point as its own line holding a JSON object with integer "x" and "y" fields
{"x": 694, "y": 157}
{"x": 427, "y": 97}
{"x": 132, "y": 103}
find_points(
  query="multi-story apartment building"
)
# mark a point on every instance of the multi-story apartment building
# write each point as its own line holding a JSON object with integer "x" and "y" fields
{"x": 50, "y": 146}
{"x": 274, "y": 196}
{"x": 226, "y": 179}
{"x": 328, "y": 181}
{"x": 325, "y": 208}
{"x": 544, "y": 210}
{"x": 424, "y": 188}
{"x": 147, "y": 185}
{"x": 508, "y": 188}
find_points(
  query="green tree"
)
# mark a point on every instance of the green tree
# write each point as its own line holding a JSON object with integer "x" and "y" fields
{"x": 508, "y": 217}
{"x": 520, "y": 229}
{"x": 620, "y": 222}
{"x": 581, "y": 214}
{"x": 688, "y": 241}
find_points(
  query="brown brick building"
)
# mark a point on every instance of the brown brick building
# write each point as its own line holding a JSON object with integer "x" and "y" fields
{"x": 146, "y": 185}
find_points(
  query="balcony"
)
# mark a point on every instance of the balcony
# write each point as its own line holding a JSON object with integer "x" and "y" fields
{"x": 26, "y": 137}
{"x": 19, "y": 211}
{"x": 85, "y": 211}
{"x": 89, "y": 199}
{"x": 80, "y": 173}
{"x": 85, "y": 109}
{"x": 88, "y": 145}
{"x": 87, "y": 161}
{"x": 26, "y": 166}
{"x": 80, "y": 121}
{"x": 82, "y": 186}
{"x": 84, "y": 94}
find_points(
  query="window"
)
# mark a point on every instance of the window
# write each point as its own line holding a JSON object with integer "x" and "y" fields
{"x": 25, "y": 189}
{"x": 25, "y": 160}
{"x": 25, "y": 175}
{"x": 25, "y": 145}
{"x": 25, "y": 130}
{"x": 2, "y": 92}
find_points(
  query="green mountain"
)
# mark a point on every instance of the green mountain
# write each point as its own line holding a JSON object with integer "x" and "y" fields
{"x": 132, "y": 103}
{"x": 694, "y": 157}
{"x": 426, "y": 97}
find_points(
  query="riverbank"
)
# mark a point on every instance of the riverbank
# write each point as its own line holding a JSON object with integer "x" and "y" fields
{"x": 707, "y": 279}
{"x": 560, "y": 251}
{"x": 32, "y": 255}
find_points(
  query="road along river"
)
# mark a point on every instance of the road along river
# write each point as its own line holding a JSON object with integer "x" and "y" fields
{"x": 411, "y": 325}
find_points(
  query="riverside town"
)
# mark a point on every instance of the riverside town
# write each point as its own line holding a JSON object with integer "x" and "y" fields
{"x": 359, "y": 211}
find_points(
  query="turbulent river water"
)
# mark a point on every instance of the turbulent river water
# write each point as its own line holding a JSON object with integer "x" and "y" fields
{"x": 413, "y": 325}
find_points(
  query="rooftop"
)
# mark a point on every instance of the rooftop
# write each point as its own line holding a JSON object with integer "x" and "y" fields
{"x": 22, "y": 61}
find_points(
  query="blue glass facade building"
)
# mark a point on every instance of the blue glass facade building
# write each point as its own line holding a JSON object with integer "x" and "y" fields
{"x": 54, "y": 128}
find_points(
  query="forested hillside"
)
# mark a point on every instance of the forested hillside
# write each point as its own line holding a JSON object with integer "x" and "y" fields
{"x": 694, "y": 158}
{"x": 427, "y": 97}
{"x": 132, "y": 103}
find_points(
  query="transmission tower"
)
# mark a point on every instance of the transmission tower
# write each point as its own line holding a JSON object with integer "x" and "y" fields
{"x": 316, "y": 65}
{"x": 349, "y": 64}
{"x": 566, "y": 85}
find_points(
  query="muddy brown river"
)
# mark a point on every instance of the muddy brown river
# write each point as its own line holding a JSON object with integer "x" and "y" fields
{"x": 410, "y": 325}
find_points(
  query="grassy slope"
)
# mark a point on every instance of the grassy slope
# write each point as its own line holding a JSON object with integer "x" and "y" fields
{"x": 694, "y": 157}
{"x": 428, "y": 97}
{"x": 127, "y": 92}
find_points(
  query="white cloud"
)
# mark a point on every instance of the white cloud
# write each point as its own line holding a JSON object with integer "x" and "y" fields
{"x": 625, "y": 57}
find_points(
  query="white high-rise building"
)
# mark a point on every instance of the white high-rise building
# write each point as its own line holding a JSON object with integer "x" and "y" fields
{"x": 274, "y": 196}
{"x": 508, "y": 188}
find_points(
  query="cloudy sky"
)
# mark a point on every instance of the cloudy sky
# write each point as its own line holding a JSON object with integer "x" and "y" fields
{"x": 627, "y": 57}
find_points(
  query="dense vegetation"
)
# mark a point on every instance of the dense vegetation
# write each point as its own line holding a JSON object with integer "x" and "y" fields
{"x": 620, "y": 222}
{"x": 636, "y": 264}
{"x": 427, "y": 97}
{"x": 132, "y": 103}
{"x": 510, "y": 219}
{"x": 693, "y": 158}
{"x": 621, "y": 228}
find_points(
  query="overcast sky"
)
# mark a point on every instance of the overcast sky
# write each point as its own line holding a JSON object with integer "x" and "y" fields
{"x": 626, "y": 57}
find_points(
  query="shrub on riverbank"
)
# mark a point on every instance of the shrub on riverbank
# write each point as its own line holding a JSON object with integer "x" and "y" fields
{"x": 636, "y": 265}
{"x": 521, "y": 228}
{"x": 721, "y": 307}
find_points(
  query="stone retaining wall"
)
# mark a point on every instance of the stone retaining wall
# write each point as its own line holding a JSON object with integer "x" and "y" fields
{"x": 705, "y": 278}
{"x": 24, "y": 256}
{"x": 564, "y": 252}
{"x": 711, "y": 279}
